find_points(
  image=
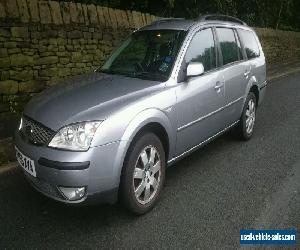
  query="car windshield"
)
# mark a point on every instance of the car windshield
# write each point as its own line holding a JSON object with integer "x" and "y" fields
{"x": 147, "y": 54}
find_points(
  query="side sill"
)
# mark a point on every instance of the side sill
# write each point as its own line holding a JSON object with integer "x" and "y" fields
{"x": 176, "y": 158}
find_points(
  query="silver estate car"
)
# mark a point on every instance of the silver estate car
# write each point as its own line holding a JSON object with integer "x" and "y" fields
{"x": 171, "y": 87}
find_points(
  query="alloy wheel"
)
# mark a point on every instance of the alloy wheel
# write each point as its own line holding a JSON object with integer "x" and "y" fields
{"x": 146, "y": 176}
{"x": 250, "y": 116}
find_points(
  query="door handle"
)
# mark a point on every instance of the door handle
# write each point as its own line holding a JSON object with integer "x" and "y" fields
{"x": 218, "y": 86}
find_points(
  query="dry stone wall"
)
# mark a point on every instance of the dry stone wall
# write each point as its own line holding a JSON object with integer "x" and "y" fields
{"x": 44, "y": 41}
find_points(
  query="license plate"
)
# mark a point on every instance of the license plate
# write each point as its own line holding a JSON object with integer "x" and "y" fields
{"x": 26, "y": 163}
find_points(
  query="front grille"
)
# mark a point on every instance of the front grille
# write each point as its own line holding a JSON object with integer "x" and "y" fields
{"x": 35, "y": 132}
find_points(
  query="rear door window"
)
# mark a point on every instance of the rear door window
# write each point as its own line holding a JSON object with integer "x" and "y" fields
{"x": 249, "y": 42}
{"x": 228, "y": 45}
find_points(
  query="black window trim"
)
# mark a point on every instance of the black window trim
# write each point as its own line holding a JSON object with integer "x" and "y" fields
{"x": 219, "y": 57}
{"x": 239, "y": 42}
{"x": 242, "y": 45}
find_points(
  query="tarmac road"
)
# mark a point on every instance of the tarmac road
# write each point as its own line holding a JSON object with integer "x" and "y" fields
{"x": 209, "y": 196}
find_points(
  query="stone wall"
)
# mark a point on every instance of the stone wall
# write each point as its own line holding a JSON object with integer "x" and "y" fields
{"x": 44, "y": 41}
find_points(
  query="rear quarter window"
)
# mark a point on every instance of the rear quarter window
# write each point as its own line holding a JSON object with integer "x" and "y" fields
{"x": 250, "y": 43}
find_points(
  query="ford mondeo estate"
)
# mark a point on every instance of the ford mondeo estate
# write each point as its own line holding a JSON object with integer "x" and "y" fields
{"x": 170, "y": 88}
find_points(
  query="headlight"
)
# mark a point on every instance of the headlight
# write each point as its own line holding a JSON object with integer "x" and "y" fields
{"x": 76, "y": 137}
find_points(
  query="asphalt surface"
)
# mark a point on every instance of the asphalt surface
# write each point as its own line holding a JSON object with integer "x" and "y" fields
{"x": 209, "y": 196}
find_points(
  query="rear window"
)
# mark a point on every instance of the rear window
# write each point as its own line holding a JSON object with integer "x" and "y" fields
{"x": 228, "y": 44}
{"x": 249, "y": 42}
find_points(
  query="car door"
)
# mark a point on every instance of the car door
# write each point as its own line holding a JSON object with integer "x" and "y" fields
{"x": 236, "y": 72}
{"x": 200, "y": 98}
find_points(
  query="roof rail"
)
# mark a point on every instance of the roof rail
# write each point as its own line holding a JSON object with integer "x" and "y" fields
{"x": 220, "y": 17}
{"x": 161, "y": 20}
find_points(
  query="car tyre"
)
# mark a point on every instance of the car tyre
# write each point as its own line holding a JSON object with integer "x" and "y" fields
{"x": 246, "y": 124}
{"x": 143, "y": 174}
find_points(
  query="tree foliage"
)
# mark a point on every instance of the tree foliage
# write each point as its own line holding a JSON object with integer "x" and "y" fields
{"x": 278, "y": 14}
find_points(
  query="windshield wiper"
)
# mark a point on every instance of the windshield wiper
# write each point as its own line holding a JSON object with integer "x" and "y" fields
{"x": 107, "y": 71}
{"x": 151, "y": 75}
{"x": 113, "y": 72}
{"x": 142, "y": 74}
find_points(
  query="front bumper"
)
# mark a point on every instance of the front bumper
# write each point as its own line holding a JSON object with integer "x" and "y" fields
{"x": 97, "y": 169}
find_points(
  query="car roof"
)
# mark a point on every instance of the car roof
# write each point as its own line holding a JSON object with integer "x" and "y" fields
{"x": 186, "y": 24}
{"x": 170, "y": 23}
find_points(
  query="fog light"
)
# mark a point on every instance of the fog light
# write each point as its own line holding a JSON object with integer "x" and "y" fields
{"x": 73, "y": 193}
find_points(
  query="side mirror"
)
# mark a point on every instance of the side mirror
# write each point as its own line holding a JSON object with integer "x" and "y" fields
{"x": 194, "y": 69}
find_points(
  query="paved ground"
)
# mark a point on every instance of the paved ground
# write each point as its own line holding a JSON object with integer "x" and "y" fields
{"x": 209, "y": 196}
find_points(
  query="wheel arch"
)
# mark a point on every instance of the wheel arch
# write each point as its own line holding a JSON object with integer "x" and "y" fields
{"x": 157, "y": 129}
{"x": 152, "y": 120}
{"x": 155, "y": 121}
{"x": 252, "y": 86}
{"x": 255, "y": 91}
